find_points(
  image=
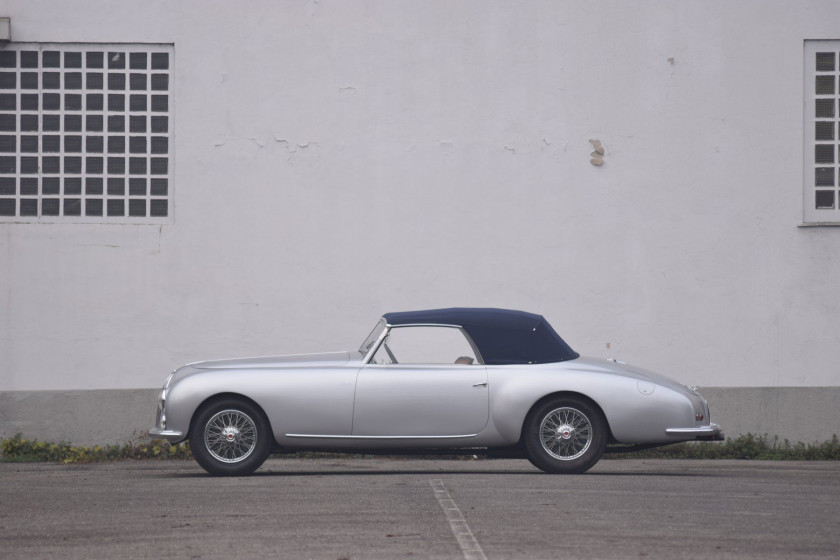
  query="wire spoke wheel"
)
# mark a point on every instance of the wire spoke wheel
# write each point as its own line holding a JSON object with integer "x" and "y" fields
{"x": 230, "y": 436}
{"x": 565, "y": 433}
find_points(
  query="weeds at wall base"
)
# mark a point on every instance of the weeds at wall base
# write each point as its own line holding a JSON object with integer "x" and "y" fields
{"x": 748, "y": 446}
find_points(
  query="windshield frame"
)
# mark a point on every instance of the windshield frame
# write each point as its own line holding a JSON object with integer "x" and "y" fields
{"x": 370, "y": 343}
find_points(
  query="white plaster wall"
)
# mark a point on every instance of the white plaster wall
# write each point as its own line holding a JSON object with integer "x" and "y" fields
{"x": 338, "y": 159}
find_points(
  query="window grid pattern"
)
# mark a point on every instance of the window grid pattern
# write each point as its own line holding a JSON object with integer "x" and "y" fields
{"x": 85, "y": 132}
{"x": 822, "y": 131}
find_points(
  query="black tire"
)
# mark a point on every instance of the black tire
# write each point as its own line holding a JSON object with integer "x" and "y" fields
{"x": 230, "y": 437}
{"x": 565, "y": 435}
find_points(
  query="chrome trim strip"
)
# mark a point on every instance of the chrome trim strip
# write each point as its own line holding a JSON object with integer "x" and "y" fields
{"x": 321, "y": 436}
{"x": 711, "y": 429}
{"x": 166, "y": 434}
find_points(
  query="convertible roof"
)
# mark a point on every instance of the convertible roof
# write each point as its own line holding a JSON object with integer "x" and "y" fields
{"x": 503, "y": 336}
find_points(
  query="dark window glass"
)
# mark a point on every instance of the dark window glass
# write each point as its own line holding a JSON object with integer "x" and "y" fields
{"x": 824, "y": 153}
{"x": 116, "y": 60}
{"x": 93, "y": 207}
{"x": 159, "y": 187}
{"x": 138, "y": 60}
{"x": 8, "y": 207}
{"x": 825, "y": 200}
{"x": 29, "y": 185}
{"x": 8, "y": 59}
{"x": 8, "y": 101}
{"x": 51, "y": 164}
{"x": 8, "y": 123}
{"x": 160, "y": 103}
{"x": 93, "y": 59}
{"x": 825, "y": 62}
{"x": 160, "y": 166}
{"x": 28, "y": 165}
{"x": 116, "y": 186}
{"x": 73, "y": 80}
{"x": 72, "y": 164}
{"x": 137, "y": 123}
{"x": 73, "y": 144}
{"x": 137, "y": 207}
{"x": 94, "y": 80}
{"x": 51, "y": 101}
{"x": 94, "y": 164}
{"x": 116, "y": 123}
{"x": 29, "y": 144}
{"x": 116, "y": 165}
{"x": 51, "y": 143}
{"x": 116, "y": 144}
{"x": 116, "y": 81}
{"x": 137, "y": 166}
{"x": 159, "y": 208}
{"x": 72, "y": 185}
{"x": 50, "y": 207}
{"x": 824, "y": 85}
{"x": 51, "y": 59}
{"x": 93, "y": 185}
{"x": 136, "y": 186}
{"x": 72, "y": 206}
{"x": 160, "y": 82}
{"x": 29, "y": 123}
{"x": 160, "y": 61}
{"x": 8, "y": 80}
{"x": 51, "y": 80}
{"x": 137, "y": 81}
{"x": 94, "y": 123}
{"x": 825, "y": 108}
{"x": 29, "y": 59}
{"x": 72, "y": 60}
{"x": 52, "y": 123}
{"x": 50, "y": 185}
{"x": 72, "y": 102}
{"x": 160, "y": 124}
{"x": 8, "y": 164}
{"x": 95, "y": 102}
{"x": 72, "y": 123}
{"x": 116, "y": 102}
{"x": 116, "y": 208}
{"x": 29, "y": 80}
{"x": 29, "y": 101}
{"x": 137, "y": 103}
{"x": 160, "y": 145}
{"x": 824, "y": 131}
{"x": 137, "y": 145}
{"x": 94, "y": 144}
{"x": 8, "y": 144}
{"x": 7, "y": 186}
{"x": 29, "y": 207}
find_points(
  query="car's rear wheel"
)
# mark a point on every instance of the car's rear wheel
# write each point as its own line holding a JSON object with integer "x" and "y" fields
{"x": 230, "y": 437}
{"x": 565, "y": 435}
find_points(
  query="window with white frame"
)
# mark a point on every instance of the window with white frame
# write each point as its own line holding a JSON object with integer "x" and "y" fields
{"x": 85, "y": 133}
{"x": 822, "y": 137}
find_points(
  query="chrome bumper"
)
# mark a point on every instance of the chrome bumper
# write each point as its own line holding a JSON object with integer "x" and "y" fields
{"x": 712, "y": 432}
{"x": 169, "y": 435}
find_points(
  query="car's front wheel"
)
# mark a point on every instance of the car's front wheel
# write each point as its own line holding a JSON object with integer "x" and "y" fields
{"x": 565, "y": 435}
{"x": 230, "y": 437}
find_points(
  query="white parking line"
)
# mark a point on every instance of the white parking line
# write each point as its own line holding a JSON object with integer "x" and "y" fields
{"x": 466, "y": 540}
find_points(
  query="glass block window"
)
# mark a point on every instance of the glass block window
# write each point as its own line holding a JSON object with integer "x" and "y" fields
{"x": 85, "y": 133}
{"x": 822, "y": 132}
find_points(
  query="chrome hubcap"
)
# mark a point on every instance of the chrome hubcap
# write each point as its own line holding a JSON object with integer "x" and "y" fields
{"x": 565, "y": 433}
{"x": 230, "y": 436}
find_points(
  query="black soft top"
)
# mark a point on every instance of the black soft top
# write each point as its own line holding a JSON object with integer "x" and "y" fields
{"x": 503, "y": 336}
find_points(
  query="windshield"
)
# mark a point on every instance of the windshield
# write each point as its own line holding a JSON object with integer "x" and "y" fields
{"x": 372, "y": 337}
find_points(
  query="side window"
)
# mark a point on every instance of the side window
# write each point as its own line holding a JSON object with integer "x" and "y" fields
{"x": 425, "y": 345}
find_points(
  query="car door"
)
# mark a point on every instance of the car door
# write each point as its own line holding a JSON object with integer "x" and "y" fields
{"x": 414, "y": 388}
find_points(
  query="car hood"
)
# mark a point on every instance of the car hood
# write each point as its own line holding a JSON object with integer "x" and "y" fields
{"x": 272, "y": 362}
{"x": 627, "y": 370}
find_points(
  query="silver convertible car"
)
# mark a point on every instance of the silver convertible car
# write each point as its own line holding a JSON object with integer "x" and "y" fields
{"x": 455, "y": 378}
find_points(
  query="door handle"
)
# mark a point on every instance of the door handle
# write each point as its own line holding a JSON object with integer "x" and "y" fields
{"x": 480, "y": 384}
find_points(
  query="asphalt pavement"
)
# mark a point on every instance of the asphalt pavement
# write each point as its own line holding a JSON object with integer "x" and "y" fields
{"x": 384, "y": 508}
